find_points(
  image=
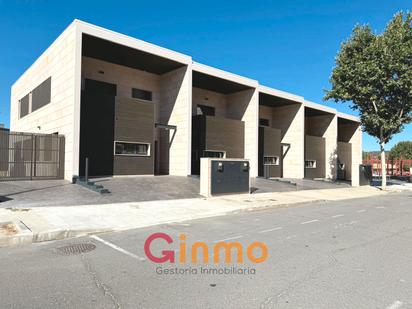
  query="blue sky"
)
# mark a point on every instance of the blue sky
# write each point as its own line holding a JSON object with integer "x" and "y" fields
{"x": 288, "y": 45}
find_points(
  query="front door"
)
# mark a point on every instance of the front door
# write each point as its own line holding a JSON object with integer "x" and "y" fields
{"x": 97, "y": 128}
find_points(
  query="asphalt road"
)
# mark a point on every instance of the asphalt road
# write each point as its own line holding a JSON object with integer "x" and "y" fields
{"x": 351, "y": 254}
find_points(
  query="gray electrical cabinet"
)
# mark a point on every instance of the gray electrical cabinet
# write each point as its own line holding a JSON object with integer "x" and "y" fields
{"x": 224, "y": 176}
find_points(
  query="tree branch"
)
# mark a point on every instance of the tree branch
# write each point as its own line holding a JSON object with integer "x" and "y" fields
{"x": 374, "y": 106}
{"x": 401, "y": 113}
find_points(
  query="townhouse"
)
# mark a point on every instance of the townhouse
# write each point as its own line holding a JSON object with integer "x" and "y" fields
{"x": 134, "y": 108}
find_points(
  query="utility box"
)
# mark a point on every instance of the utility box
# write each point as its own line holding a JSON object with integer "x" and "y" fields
{"x": 224, "y": 176}
{"x": 365, "y": 175}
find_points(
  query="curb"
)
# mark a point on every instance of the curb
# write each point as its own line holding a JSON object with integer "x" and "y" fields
{"x": 25, "y": 236}
{"x": 15, "y": 233}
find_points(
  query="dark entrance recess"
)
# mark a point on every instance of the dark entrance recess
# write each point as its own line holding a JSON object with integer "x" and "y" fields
{"x": 97, "y": 127}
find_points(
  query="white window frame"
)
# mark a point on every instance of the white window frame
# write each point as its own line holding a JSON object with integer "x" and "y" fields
{"x": 270, "y": 156}
{"x": 149, "y": 148}
{"x": 209, "y": 150}
{"x": 313, "y": 166}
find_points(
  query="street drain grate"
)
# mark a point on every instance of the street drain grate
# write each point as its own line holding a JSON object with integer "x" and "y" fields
{"x": 76, "y": 249}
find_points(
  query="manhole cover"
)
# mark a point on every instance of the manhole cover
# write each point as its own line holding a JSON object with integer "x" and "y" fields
{"x": 76, "y": 249}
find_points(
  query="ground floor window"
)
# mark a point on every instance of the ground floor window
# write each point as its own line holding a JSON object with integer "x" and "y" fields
{"x": 131, "y": 148}
{"x": 214, "y": 154}
{"x": 141, "y": 94}
{"x": 271, "y": 160}
{"x": 310, "y": 163}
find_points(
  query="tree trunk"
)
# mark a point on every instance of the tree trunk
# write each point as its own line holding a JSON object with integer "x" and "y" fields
{"x": 383, "y": 165}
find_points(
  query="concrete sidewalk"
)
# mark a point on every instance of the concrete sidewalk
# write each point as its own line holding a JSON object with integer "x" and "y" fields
{"x": 23, "y": 226}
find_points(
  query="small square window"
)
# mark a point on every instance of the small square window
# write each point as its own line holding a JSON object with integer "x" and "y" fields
{"x": 271, "y": 160}
{"x": 141, "y": 94}
{"x": 310, "y": 164}
{"x": 132, "y": 149}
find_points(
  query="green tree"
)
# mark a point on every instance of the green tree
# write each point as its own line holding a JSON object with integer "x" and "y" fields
{"x": 374, "y": 73}
{"x": 402, "y": 150}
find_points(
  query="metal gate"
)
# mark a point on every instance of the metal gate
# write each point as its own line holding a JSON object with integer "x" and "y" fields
{"x": 27, "y": 156}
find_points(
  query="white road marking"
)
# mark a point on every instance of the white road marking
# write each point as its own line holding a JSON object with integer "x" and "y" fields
{"x": 337, "y": 216}
{"x": 291, "y": 236}
{"x": 361, "y": 210}
{"x": 379, "y": 207}
{"x": 117, "y": 248}
{"x": 311, "y": 221}
{"x": 230, "y": 238}
{"x": 396, "y": 304}
{"x": 271, "y": 230}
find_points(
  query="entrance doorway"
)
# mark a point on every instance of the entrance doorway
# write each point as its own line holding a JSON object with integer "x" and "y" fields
{"x": 97, "y": 127}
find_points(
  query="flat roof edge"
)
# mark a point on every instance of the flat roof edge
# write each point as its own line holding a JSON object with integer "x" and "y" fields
{"x": 203, "y": 68}
{"x": 348, "y": 117}
{"x": 320, "y": 107}
{"x": 281, "y": 94}
{"x": 132, "y": 42}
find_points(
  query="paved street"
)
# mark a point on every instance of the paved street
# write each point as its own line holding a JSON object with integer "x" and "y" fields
{"x": 345, "y": 254}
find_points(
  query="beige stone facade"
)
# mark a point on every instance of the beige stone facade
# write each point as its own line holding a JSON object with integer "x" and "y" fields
{"x": 175, "y": 98}
{"x": 57, "y": 62}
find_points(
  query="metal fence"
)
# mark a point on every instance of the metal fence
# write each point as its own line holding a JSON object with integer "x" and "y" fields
{"x": 26, "y": 156}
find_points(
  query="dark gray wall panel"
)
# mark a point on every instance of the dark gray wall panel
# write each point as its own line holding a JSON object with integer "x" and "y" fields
{"x": 225, "y": 135}
{"x": 344, "y": 152}
{"x": 272, "y": 147}
{"x": 216, "y": 133}
{"x": 315, "y": 150}
{"x": 134, "y": 122}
